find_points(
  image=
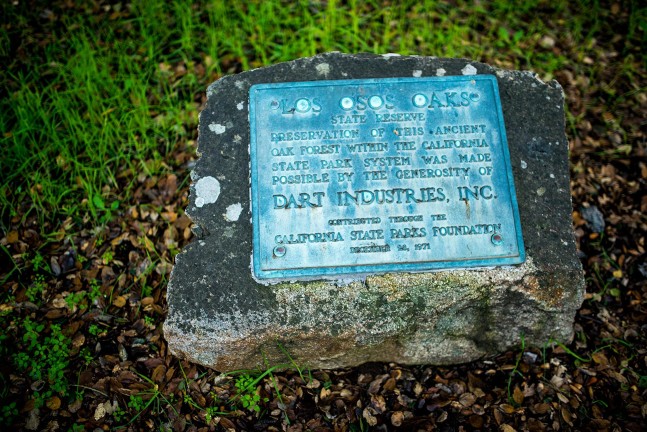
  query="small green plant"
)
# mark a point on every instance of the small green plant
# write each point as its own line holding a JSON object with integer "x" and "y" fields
{"x": 246, "y": 383}
{"x": 118, "y": 414}
{"x": 107, "y": 256}
{"x": 44, "y": 357}
{"x": 94, "y": 330}
{"x": 35, "y": 290}
{"x": 38, "y": 261}
{"x": 137, "y": 403}
{"x": 8, "y": 413}
{"x": 76, "y": 428}
{"x": 32, "y": 332}
{"x": 247, "y": 392}
{"x": 147, "y": 290}
{"x": 99, "y": 206}
{"x": 642, "y": 381}
{"x": 95, "y": 290}
{"x": 79, "y": 393}
{"x": 86, "y": 355}
{"x": 149, "y": 321}
{"x": 210, "y": 413}
{"x": 75, "y": 299}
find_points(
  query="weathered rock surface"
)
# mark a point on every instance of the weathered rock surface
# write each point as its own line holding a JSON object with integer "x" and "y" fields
{"x": 221, "y": 317}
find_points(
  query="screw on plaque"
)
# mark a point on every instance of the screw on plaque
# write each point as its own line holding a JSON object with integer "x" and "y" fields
{"x": 279, "y": 251}
{"x": 303, "y": 105}
{"x": 346, "y": 103}
{"x": 497, "y": 239}
{"x": 274, "y": 104}
{"x": 420, "y": 100}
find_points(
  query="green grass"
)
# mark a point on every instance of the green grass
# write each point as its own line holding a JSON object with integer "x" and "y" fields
{"x": 106, "y": 100}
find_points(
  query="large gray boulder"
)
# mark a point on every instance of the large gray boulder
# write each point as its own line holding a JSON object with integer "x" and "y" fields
{"x": 223, "y": 317}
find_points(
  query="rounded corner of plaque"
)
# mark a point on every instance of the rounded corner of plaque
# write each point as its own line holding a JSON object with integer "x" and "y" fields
{"x": 254, "y": 88}
{"x": 522, "y": 256}
{"x": 258, "y": 274}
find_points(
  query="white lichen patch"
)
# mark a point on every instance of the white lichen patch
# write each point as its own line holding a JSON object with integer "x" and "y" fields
{"x": 230, "y": 328}
{"x": 417, "y": 73}
{"x": 233, "y": 212}
{"x": 217, "y": 128}
{"x": 323, "y": 69}
{"x": 388, "y": 55}
{"x": 440, "y": 72}
{"x": 468, "y": 70}
{"x": 237, "y": 138}
{"x": 240, "y": 106}
{"x": 207, "y": 191}
{"x": 524, "y": 164}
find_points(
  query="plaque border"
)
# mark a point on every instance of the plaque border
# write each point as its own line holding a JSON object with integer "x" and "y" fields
{"x": 341, "y": 272}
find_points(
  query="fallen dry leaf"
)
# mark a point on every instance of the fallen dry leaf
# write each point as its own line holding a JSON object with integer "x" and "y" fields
{"x": 53, "y": 403}
{"x": 119, "y": 301}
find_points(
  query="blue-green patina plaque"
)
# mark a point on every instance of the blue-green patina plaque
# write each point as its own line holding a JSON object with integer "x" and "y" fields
{"x": 380, "y": 175}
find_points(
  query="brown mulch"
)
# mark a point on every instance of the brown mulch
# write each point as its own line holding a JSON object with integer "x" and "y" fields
{"x": 105, "y": 288}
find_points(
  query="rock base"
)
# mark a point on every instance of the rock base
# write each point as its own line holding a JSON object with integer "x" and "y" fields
{"x": 221, "y": 317}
